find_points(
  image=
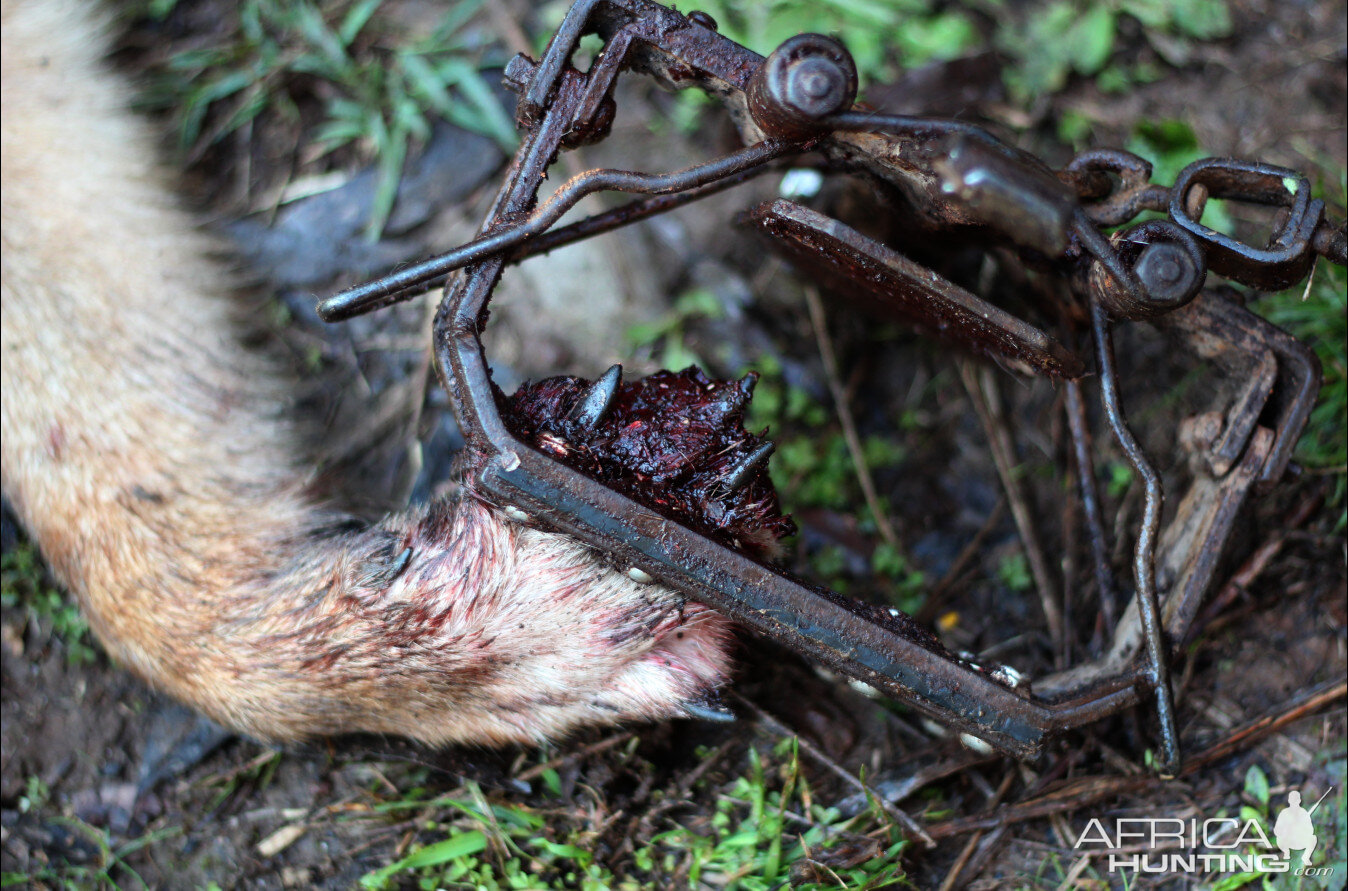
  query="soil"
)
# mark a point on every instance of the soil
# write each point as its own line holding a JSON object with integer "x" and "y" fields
{"x": 94, "y": 762}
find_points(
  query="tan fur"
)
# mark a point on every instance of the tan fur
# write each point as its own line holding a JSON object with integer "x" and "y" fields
{"x": 151, "y": 459}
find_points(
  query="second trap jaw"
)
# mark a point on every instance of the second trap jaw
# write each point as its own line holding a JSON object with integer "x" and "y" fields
{"x": 957, "y": 178}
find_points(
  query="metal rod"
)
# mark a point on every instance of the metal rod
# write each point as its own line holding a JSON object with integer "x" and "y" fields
{"x": 1144, "y": 554}
{"x": 403, "y": 284}
{"x": 631, "y": 212}
{"x": 559, "y": 50}
{"x": 600, "y": 223}
{"x": 904, "y": 125}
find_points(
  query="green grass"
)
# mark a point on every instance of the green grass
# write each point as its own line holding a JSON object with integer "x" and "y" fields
{"x": 380, "y": 88}
{"x": 665, "y": 340}
{"x": 1046, "y": 43}
{"x": 763, "y": 824}
{"x": 1258, "y": 803}
{"x": 878, "y": 33}
{"x": 883, "y": 36}
{"x": 108, "y": 869}
{"x": 755, "y": 831}
{"x": 1319, "y": 316}
{"x": 24, "y": 585}
{"x": 1050, "y": 42}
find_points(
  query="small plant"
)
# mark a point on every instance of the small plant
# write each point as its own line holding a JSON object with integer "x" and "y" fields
{"x": 756, "y": 830}
{"x": 24, "y": 585}
{"x": 1014, "y": 572}
{"x": 1319, "y": 316}
{"x": 765, "y": 822}
{"x": 104, "y": 865}
{"x": 1050, "y": 42}
{"x": 379, "y": 89}
{"x": 1119, "y": 478}
{"x": 908, "y": 585}
{"x": 665, "y": 339}
{"x": 872, "y": 31}
{"x": 36, "y": 794}
{"x": 255, "y": 775}
{"x": 493, "y": 846}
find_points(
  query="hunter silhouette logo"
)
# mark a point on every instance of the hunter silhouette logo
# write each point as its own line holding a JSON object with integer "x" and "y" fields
{"x": 1293, "y": 828}
{"x": 1215, "y": 844}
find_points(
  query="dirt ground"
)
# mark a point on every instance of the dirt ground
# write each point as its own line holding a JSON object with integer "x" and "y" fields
{"x": 93, "y": 762}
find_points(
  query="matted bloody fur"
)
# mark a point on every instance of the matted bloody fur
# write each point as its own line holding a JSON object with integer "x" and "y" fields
{"x": 152, "y": 459}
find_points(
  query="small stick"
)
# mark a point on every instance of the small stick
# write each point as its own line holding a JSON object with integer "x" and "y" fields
{"x": 843, "y": 773}
{"x": 1252, "y": 567}
{"x": 937, "y": 596}
{"x": 417, "y": 397}
{"x": 983, "y": 395}
{"x": 953, "y": 875}
{"x": 592, "y": 749}
{"x": 1075, "y": 409}
{"x": 849, "y": 426}
{"x": 507, "y": 27}
{"x": 983, "y": 852}
{"x": 1068, "y": 797}
{"x": 1313, "y": 700}
{"x": 643, "y": 823}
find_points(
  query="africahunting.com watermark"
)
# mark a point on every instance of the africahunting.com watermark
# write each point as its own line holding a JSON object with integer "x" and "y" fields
{"x": 1167, "y": 845}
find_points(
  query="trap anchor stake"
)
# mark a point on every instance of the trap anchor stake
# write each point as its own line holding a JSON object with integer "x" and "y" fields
{"x": 958, "y": 178}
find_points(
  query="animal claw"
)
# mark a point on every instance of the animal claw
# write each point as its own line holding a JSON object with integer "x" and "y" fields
{"x": 710, "y": 708}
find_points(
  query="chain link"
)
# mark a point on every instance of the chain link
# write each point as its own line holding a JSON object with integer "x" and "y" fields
{"x": 1115, "y": 187}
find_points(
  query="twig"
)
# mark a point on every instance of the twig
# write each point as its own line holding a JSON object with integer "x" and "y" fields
{"x": 849, "y": 427}
{"x": 1069, "y": 796}
{"x": 937, "y": 596}
{"x": 986, "y": 403}
{"x": 594, "y": 748}
{"x": 1313, "y": 700}
{"x": 642, "y": 825}
{"x": 1252, "y": 567}
{"x": 953, "y": 875}
{"x": 507, "y": 27}
{"x": 983, "y": 852}
{"x": 809, "y": 748}
{"x": 1075, "y": 409}
{"x": 1084, "y": 791}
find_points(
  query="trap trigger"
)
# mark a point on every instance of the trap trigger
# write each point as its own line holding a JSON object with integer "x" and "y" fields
{"x": 844, "y": 258}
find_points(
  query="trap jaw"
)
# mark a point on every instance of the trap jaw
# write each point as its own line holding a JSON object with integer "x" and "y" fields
{"x": 960, "y": 178}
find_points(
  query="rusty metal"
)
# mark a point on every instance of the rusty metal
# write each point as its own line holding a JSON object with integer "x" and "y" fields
{"x": 1114, "y": 186}
{"x": 801, "y": 83}
{"x": 839, "y": 254}
{"x": 410, "y": 281}
{"x": 1169, "y": 266}
{"x": 1287, "y": 257}
{"x": 1144, "y": 554}
{"x": 959, "y": 179}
